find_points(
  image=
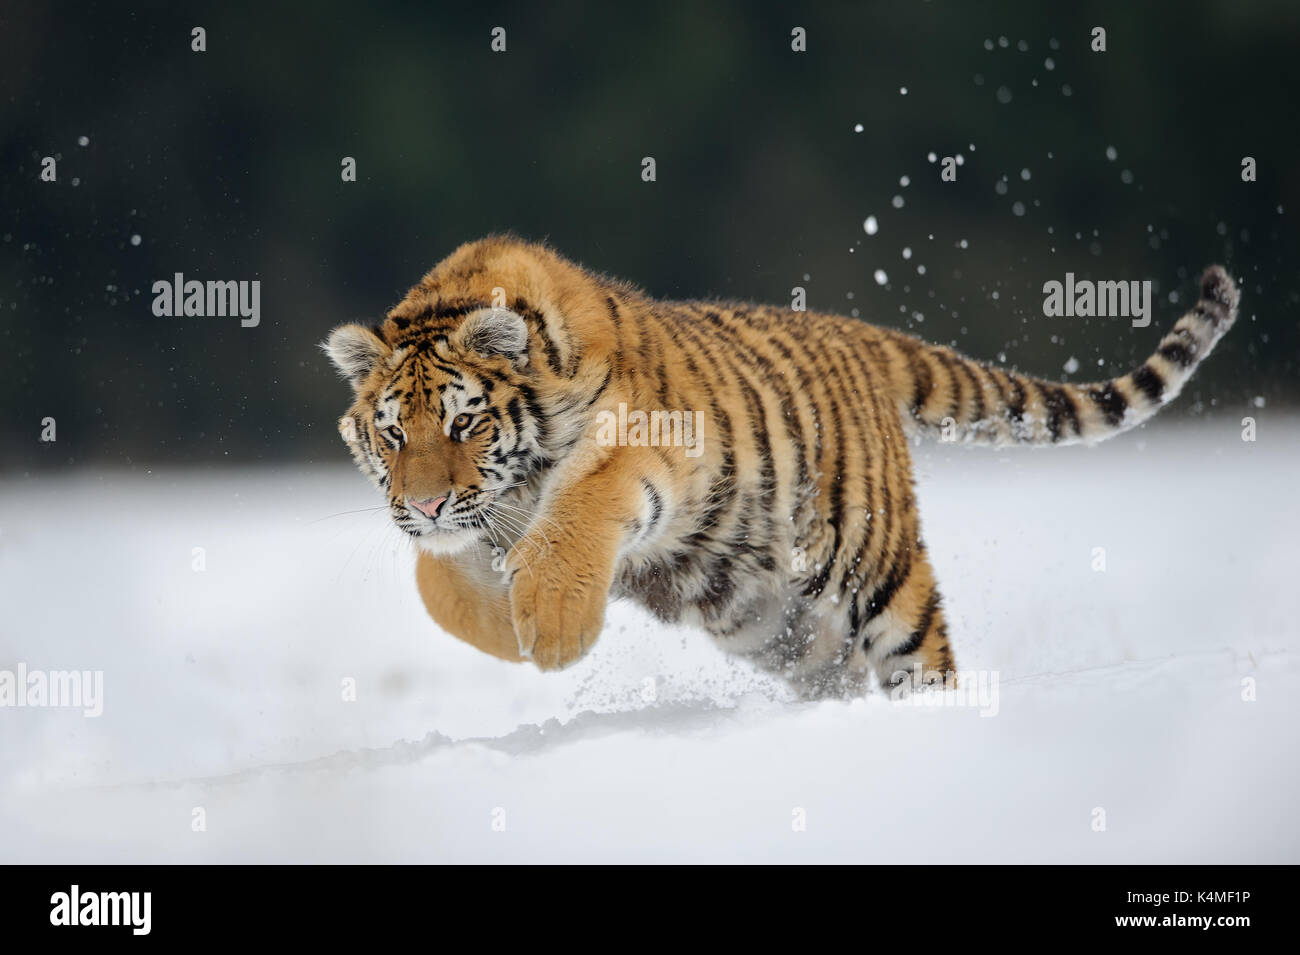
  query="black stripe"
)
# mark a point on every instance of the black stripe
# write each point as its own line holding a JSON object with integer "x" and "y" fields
{"x": 805, "y": 388}
{"x": 924, "y": 379}
{"x": 1071, "y": 408}
{"x": 722, "y": 488}
{"x": 1212, "y": 313}
{"x": 954, "y": 387}
{"x": 1110, "y": 401}
{"x": 538, "y": 323}
{"x": 1177, "y": 353}
{"x": 996, "y": 378}
{"x": 656, "y": 503}
{"x": 887, "y": 467}
{"x": 455, "y": 309}
{"x": 1059, "y": 407}
{"x": 817, "y": 584}
{"x": 719, "y": 587}
{"x": 1149, "y": 380}
{"x": 855, "y": 624}
{"x": 888, "y": 590}
{"x": 913, "y": 642}
{"x": 1016, "y": 406}
{"x": 969, "y": 368}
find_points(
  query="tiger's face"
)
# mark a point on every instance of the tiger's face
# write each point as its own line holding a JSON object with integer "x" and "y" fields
{"x": 445, "y": 423}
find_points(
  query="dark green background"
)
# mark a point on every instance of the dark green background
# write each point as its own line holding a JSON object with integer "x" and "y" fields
{"x": 227, "y": 163}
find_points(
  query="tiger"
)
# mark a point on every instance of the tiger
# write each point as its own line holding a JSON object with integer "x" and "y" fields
{"x": 784, "y": 524}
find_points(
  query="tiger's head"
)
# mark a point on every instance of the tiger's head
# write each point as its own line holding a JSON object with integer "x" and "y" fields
{"x": 445, "y": 421}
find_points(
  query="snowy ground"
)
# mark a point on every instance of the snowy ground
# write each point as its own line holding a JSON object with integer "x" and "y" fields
{"x": 1119, "y": 690}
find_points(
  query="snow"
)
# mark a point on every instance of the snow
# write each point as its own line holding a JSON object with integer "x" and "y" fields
{"x": 1119, "y": 689}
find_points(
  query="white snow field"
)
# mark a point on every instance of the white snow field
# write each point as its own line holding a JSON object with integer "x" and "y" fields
{"x": 1158, "y": 696}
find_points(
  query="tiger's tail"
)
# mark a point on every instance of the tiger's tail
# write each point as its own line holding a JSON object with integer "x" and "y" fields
{"x": 956, "y": 398}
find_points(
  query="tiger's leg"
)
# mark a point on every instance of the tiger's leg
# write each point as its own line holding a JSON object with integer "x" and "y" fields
{"x": 906, "y": 641}
{"x": 831, "y": 666}
{"x": 470, "y": 601}
{"x": 808, "y": 650}
{"x": 561, "y": 570}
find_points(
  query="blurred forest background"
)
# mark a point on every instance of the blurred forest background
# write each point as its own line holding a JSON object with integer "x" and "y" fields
{"x": 225, "y": 164}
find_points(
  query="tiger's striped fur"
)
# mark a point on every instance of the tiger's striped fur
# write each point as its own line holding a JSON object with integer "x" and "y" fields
{"x": 793, "y": 537}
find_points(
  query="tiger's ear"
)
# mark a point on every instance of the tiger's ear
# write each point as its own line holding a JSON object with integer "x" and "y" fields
{"x": 495, "y": 331}
{"x": 355, "y": 350}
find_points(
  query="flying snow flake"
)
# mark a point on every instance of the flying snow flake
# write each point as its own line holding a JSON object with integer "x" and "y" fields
{"x": 135, "y": 239}
{"x": 881, "y": 277}
{"x": 1258, "y": 401}
{"x": 907, "y": 253}
{"x": 871, "y": 225}
{"x": 1049, "y": 63}
{"x": 932, "y": 158}
{"x": 857, "y": 128}
{"x": 902, "y": 90}
{"x": 83, "y": 140}
{"x": 1018, "y": 208}
{"x": 905, "y": 181}
{"x": 1071, "y": 365}
{"x": 1111, "y": 153}
{"x": 897, "y": 202}
{"x": 1004, "y": 95}
{"x": 1025, "y": 174}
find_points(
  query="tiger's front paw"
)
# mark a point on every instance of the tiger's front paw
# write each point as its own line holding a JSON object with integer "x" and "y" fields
{"x": 558, "y": 608}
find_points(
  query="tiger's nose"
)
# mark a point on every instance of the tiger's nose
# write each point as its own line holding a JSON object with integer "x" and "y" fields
{"x": 429, "y": 506}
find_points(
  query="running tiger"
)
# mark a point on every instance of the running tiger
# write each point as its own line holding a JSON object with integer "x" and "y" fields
{"x": 789, "y": 532}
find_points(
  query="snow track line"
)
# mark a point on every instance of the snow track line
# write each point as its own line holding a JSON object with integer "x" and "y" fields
{"x": 536, "y": 739}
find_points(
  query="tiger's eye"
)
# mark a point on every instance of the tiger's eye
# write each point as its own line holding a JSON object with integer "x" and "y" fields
{"x": 461, "y": 421}
{"x": 395, "y": 434}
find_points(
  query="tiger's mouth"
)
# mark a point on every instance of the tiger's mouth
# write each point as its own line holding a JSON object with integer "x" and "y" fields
{"x": 447, "y": 524}
{"x": 439, "y": 535}
{"x": 445, "y": 514}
